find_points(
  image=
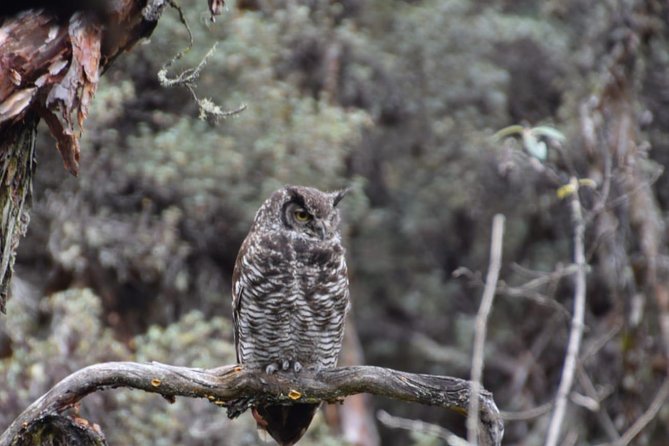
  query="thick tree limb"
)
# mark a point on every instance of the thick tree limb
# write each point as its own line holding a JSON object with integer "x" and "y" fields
{"x": 230, "y": 384}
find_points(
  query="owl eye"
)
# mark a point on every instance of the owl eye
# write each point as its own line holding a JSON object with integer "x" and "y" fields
{"x": 302, "y": 216}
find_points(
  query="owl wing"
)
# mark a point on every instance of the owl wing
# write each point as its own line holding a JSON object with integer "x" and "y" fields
{"x": 238, "y": 282}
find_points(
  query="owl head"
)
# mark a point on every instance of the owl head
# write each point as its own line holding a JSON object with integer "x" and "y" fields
{"x": 305, "y": 211}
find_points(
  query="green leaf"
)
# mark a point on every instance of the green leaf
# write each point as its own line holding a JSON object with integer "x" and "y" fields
{"x": 509, "y": 131}
{"x": 549, "y": 132}
{"x": 535, "y": 147}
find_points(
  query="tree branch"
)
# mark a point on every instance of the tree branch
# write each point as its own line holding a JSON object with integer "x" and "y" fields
{"x": 648, "y": 416}
{"x": 226, "y": 386}
{"x": 576, "y": 332}
{"x": 421, "y": 426}
{"x": 482, "y": 322}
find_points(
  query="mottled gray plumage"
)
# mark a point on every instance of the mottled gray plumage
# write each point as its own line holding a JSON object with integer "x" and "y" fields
{"x": 290, "y": 295}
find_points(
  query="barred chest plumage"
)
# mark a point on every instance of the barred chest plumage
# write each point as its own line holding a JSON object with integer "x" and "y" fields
{"x": 293, "y": 299}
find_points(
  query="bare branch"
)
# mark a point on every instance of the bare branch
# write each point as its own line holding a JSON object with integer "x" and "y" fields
{"x": 605, "y": 421}
{"x": 529, "y": 289}
{"x": 647, "y": 416}
{"x": 528, "y": 414}
{"x": 422, "y": 427}
{"x": 482, "y": 321}
{"x": 226, "y": 385}
{"x": 533, "y": 296}
{"x": 576, "y": 332}
{"x": 208, "y": 109}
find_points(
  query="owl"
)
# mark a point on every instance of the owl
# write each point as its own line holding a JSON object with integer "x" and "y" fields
{"x": 290, "y": 296}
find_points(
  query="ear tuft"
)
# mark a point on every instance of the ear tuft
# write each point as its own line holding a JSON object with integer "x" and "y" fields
{"x": 339, "y": 195}
{"x": 292, "y": 191}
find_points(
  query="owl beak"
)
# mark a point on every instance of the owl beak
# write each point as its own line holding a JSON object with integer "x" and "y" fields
{"x": 321, "y": 229}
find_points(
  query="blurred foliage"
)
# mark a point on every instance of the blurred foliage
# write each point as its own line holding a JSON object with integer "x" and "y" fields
{"x": 74, "y": 337}
{"x": 399, "y": 99}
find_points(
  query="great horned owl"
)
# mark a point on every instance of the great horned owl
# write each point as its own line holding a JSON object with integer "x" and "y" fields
{"x": 290, "y": 296}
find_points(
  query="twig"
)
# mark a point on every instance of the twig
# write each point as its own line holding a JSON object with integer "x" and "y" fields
{"x": 601, "y": 413}
{"x": 623, "y": 199}
{"x": 576, "y": 332}
{"x": 647, "y": 416}
{"x": 420, "y": 426}
{"x": 208, "y": 109}
{"x": 528, "y": 360}
{"x": 226, "y": 385}
{"x": 544, "y": 278}
{"x": 528, "y": 289}
{"x": 599, "y": 343}
{"x": 481, "y": 323}
{"x": 533, "y": 296}
{"x": 528, "y": 414}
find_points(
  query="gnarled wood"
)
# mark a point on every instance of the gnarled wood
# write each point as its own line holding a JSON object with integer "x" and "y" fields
{"x": 227, "y": 386}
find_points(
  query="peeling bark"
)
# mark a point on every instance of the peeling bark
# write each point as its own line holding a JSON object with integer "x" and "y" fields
{"x": 49, "y": 68}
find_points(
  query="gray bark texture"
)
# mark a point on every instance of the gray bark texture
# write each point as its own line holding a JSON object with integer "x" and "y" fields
{"x": 238, "y": 388}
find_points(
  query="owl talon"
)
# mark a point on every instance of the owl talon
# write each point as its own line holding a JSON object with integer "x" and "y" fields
{"x": 285, "y": 364}
{"x": 297, "y": 367}
{"x": 272, "y": 368}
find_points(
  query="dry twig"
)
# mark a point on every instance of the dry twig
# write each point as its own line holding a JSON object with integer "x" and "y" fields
{"x": 605, "y": 421}
{"x": 187, "y": 78}
{"x": 647, "y": 416}
{"x": 576, "y": 332}
{"x": 422, "y": 427}
{"x": 528, "y": 414}
{"x": 482, "y": 320}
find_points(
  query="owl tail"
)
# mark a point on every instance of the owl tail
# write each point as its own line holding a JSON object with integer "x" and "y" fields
{"x": 286, "y": 424}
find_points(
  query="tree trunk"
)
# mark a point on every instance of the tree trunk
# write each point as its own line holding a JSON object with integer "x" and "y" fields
{"x": 17, "y": 165}
{"x": 49, "y": 69}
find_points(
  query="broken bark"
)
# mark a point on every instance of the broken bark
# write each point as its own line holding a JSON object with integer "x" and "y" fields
{"x": 49, "y": 69}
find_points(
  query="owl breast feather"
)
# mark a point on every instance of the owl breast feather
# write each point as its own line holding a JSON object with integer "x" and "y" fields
{"x": 293, "y": 303}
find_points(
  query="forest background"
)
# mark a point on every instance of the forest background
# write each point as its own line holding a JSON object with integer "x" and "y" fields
{"x": 401, "y": 101}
